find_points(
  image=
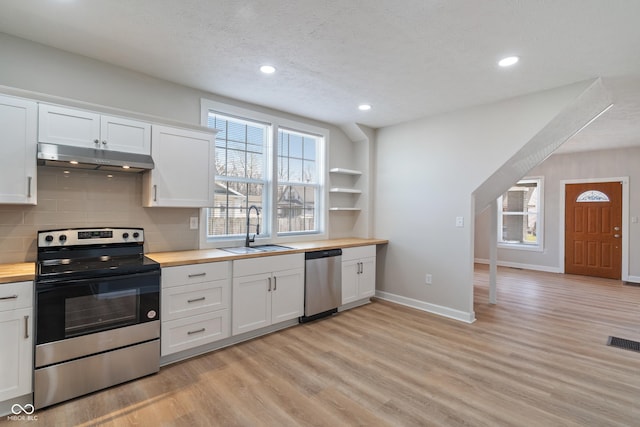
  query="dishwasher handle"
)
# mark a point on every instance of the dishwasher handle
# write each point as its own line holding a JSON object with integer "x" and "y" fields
{"x": 323, "y": 254}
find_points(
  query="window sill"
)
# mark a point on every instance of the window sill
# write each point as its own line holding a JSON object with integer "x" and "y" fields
{"x": 520, "y": 247}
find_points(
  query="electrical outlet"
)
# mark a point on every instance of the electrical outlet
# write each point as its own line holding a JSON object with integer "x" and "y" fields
{"x": 459, "y": 221}
{"x": 428, "y": 279}
{"x": 193, "y": 223}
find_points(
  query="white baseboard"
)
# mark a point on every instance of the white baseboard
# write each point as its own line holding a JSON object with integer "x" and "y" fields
{"x": 634, "y": 279}
{"x": 520, "y": 265}
{"x": 463, "y": 316}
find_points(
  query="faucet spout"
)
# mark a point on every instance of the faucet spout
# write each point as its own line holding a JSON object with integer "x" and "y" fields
{"x": 248, "y": 240}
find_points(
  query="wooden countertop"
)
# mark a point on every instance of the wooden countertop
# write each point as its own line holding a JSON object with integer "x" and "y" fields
{"x": 25, "y": 271}
{"x": 171, "y": 259}
{"x": 17, "y": 272}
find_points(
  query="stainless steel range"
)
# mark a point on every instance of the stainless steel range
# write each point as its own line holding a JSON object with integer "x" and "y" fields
{"x": 97, "y": 312}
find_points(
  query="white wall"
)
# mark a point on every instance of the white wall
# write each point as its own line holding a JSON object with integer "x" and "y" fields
{"x": 33, "y": 67}
{"x": 426, "y": 171}
{"x": 571, "y": 166}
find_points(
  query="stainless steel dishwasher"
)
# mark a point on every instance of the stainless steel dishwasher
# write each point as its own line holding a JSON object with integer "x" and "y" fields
{"x": 322, "y": 284}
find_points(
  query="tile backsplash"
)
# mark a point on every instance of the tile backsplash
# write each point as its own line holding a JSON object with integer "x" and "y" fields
{"x": 84, "y": 198}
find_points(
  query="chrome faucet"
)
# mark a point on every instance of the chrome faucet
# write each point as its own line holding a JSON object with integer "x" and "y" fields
{"x": 248, "y": 240}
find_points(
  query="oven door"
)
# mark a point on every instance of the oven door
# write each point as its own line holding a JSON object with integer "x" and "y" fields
{"x": 81, "y": 307}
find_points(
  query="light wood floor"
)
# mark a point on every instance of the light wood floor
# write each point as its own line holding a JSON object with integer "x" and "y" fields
{"x": 538, "y": 358}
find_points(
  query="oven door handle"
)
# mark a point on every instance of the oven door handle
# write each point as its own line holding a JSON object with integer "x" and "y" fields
{"x": 46, "y": 285}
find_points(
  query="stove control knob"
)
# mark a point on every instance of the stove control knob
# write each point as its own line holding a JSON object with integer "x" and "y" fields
{"x": 125, "y": 235}
{"x": 62, "y": 238}
{"x": 136, "y": 235}
{"x": 49, "y": 238}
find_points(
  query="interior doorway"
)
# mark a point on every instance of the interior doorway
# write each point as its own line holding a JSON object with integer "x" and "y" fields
{"x": 593, "y": 229}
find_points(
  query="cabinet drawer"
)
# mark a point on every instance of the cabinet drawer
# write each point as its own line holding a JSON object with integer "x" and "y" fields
{"x": 190, "y": 300}
{"x": 267, "y": 264}
{"x": 16, "y": 295}
{"x": 183, "y": 334}
{"x": 194, "y": 273}
{"x": 358, "y": 252}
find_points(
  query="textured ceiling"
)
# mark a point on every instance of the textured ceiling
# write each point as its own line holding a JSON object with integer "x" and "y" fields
{"x": 408, "y": 58}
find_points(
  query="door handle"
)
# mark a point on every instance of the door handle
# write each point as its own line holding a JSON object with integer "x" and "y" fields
{"x": 275, "y": 282}
{"x": 269, "y": 290}
{"x": 29, "y": 180}
{"x": 155, "y": 193}
{"x": 616, "y": 228}
{"x": 10, "y": 297}
{"x": 26, "y": 327}
{"x": 617, "y": 236}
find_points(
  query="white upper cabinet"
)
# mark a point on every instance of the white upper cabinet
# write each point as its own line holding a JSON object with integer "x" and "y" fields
{"x": 18, "y": 145}
{"x": 184, "y": 169}
{"x": 68, "y": 126}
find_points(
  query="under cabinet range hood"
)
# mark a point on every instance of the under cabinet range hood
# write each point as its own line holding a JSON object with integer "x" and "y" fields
{"x": 90, "y": 158}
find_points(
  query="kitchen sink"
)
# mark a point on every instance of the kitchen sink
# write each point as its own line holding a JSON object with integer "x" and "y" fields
{"x": 272, "y": 248}
{"x": 242, "y": 250}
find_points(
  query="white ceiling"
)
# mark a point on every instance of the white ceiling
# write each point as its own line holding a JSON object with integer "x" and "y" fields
{"x": 408, "y": 58}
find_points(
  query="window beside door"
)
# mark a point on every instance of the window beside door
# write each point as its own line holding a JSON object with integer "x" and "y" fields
{"x": 520, "y": 216}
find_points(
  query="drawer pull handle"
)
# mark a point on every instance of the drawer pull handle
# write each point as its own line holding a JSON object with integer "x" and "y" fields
{"x": 11, "y": 297}
{"x": 26, "y": 327}
{"x": 197, "y": 331}
{"x": 197, "y": 275}
{"x": 196, "y": 300}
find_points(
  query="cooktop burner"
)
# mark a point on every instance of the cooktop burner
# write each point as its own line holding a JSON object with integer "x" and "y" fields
{"x": 91, "y": 252}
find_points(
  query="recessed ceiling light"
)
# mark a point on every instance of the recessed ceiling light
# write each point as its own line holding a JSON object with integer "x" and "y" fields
{"x": 268, "y": 69}
{"x": 364, "y": 107}
{"x": 508, "y": 61}
{"x": 74, "y": 162}
{"x": 125, "y": 167}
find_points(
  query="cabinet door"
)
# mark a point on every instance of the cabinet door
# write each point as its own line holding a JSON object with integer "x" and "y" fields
{"x": 367, "y": 278}
{"x": 183, "y": 173}
{"x": 119, "y": 134}
{"x": 66, "y": 126}
{"x": 350, "y": 281}
{"x": 16, "y": 353}
{"x": 18, "y": 144}
{"x": 251, "y": 303}
{"x": 287, "y": 295}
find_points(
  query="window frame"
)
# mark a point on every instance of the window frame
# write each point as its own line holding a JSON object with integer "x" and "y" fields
{"x": 276, "y": 123}
{"x": 539, "y": 245}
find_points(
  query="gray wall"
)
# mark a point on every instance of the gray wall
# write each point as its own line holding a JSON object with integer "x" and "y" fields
{"x": 37, "y": 68}
{"x": 426, "y": 171}
{"x": 571, "y": 166}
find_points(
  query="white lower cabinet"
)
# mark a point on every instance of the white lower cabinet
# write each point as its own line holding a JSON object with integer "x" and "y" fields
{"x": 16, "y": 336}
{"x": 195, "y": 306}
{"x": 358, "y": 273}
{"x": 267, "y": 291}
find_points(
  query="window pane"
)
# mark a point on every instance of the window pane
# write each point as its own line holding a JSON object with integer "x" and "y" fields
{"x": 310, "y": 148}
{"x": 229, "y": 214}
{"x": 520, "y": 207}
{"x": 309, "y": 171}
{"x": 592, "y": 196}
{"x": 296, "y": 209}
